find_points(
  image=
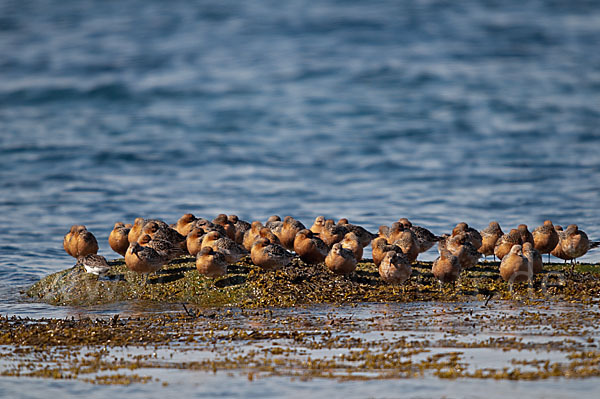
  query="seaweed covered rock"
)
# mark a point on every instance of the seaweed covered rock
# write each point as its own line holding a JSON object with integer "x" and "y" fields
{"x": 246, "y": 285}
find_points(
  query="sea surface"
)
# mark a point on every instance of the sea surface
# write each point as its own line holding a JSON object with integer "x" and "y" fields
{"x": 439, "y": 111}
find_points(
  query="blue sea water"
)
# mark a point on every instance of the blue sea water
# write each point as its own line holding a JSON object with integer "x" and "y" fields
{"x": 438, "y": 111}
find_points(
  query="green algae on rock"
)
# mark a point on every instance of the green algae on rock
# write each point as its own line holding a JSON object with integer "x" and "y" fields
{"x": 246, "y": 285}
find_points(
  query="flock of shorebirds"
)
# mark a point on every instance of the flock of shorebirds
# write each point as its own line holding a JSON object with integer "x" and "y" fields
{"x": 149, "y": 244}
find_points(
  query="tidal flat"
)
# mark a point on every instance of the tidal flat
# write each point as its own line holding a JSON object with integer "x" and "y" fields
{"x": 306, "y": 325}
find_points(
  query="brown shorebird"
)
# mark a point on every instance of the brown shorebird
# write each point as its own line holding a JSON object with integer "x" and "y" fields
{"x": 525, "y": 234}
{"x": 489, "y": 237}
{"x": 534, "y": 258}
{"x": 241, "y": 226}
{"x": 545, "y": 238}
{"x": 144, "y": 260}
{"x": 165, "y": 247}
{"x": 289, "y": 228}
{"x": 269, "y": 256}
{"x": 318, "y": 225}
{"x": 460, "y": 245}
{"x": 138, "y": 227}
{"x": 353, "y": 243}
{"x": 471, "y": 234}
{"x": 274, "y": 222}
{"x": 332, "y": 233}
{"x": 557, "y": 251}
{"x": 118, "y": 238}
{"x": 575, "y": 243}
{"x": 381, "y": 247}
{"x": 80, "y": 242}
{"x": 69, "y": 238}
{"x": 425, "y": 238}
{"x": 232, "y": 251}
{"x": 408, "y": 244}
{"x": 252, "y": 234}
{"x": 310, "y": 248}
{"x": 384, "y": 231}
{"x": 446, "y": 268}
{"x": 193, "y": 241}
{"x": 394, "y": 268}
{"x": 185, "y": 224}
{"x": 340, "y": 260}
{"x": 506, "y": 242}
{"x": 211, "y": 263}
{"x": 223, "y": 221}
{"x": 364, "y": 236}
{"x": 514, "y": 266}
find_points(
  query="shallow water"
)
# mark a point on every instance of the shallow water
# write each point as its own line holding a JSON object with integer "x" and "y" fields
{"x": 437, "y": 111}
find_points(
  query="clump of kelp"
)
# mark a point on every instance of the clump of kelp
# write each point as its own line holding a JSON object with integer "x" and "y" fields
{"x": 247, "y": 285}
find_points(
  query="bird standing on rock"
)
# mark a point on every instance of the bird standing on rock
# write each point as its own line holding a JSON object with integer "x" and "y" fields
{"x": 118, "y": 238}
{"x": 364, "y": 236}
{"x": 269, "y": 256}
{"x": 310, "y": 248}
{"x": 80, "y": 242}
{"x": 425, "y": 238}
{"x": 94, "y": 264}
{"x": 144, "y": 260}
{"x": 211, "y": 263}
{"x": 233, "y": 252}
{"x": 381, "y": 247}
{"x": 352, "y": 242}
{"x": 185, "y": 224}
{"x": 394, "y": 268}
{"x": 575, "y": 243}
{"x": 506, "y": 242}
{"x": 340, "y": 260}
{"x": 545, "y": 238}
{"x": 514, "y": 266}
{"x": 489, "y": 237}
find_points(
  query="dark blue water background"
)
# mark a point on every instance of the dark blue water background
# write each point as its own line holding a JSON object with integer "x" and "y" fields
{"x": 440, "y": 111}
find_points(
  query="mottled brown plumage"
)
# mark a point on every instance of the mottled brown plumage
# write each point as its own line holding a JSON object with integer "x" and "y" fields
{"x": 185, "y": 224}
{"x": 394, "y": 268}
{"x": 211, "y": 263}
{"x": 514, "y": 266}
{"x": 318, "y": 225}
{"x": 525, "y": 234}
{"x": 252, "y": 234}
{"x": 489, "y": 237}
{"x": 193, "y": 241}
{"x": 118, "y": 238}
{"x": 310, "y": 248}
{"x": 425, "y": 238}
{"x": 287, "y": 234}
{"x": 506, "y": 242}
{"x": 545, "y": 237}
{"x": 534, "y": 258}
{"x": 364, "y": 236}
{"x": 353, "y": 243}
{"x": 575, "y": 243}
{"x": 332, "y": 233}
{"x": 232, "y": 251}
{"x": 269, "y": 256}
{"x": 381, "y": 247}
{"x": 340, "y": 260}
{"x": 446, "y": 268}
